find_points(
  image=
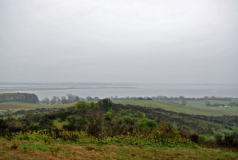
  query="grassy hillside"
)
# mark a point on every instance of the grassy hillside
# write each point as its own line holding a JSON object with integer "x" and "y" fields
{"x": 23, "y": 149}
{"x": 107, "y": 131}
{"x": 25, "y": 105}
{"x": 190, "y": 108}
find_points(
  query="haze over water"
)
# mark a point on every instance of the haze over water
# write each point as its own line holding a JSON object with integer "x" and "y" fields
{"x": 103, "y": 90}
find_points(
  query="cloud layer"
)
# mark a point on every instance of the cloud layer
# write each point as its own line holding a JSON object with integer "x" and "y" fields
{"x": 111, "y": 41}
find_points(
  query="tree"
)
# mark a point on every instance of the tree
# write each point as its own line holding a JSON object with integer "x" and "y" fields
{"x": 96, "y": 99}
{"x": 183, "y": 102}
{"x": 105, "y": 104}
{"x": 46, "y": 101}
{"x": 76, "y": 98}
{"x": 64, "y": 100}
{"x": 57, "y": 100}
{"x": 89, "y": 98}
{"x": 71, "y": 98}
{"x": 208, "y": 103}
{"x": 81, "y": 105}
{"x": 53, "y": 100}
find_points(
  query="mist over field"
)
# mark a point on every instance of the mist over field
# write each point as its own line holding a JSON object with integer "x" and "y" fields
{"x": 110, "y": 41}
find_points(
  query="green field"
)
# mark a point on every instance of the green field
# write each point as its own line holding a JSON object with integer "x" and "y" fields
{"x": 25, "y": 105}
{"x": 203, "y": 104}
{"x": 192, "y": 107}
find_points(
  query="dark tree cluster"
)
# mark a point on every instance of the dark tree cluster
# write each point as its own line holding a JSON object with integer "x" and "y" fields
{"x": 233, "y": 104}
{"x": 24, "y": 97}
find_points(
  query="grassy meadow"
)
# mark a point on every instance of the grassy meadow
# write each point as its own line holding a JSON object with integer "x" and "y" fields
{"x": 203, "y": 104}
{"x": 192, "y": 107}
{"x": 26, "y": 105}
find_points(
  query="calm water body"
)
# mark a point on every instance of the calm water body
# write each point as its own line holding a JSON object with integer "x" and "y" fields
{"x": 123, "y": 90}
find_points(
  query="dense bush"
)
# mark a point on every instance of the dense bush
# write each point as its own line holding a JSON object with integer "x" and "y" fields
{"x": 145, "y": 122}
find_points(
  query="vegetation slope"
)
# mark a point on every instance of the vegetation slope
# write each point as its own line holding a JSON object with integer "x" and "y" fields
{"x": 105, "y": 130}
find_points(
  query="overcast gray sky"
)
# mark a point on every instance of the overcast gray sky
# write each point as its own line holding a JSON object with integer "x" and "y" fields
{"x": 119, "y": 41}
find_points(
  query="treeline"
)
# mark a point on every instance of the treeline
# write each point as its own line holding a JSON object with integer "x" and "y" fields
{"x": 69, "y": 98}
{"x": 24, "y": 97}
{"x": 170, "y": 99}
{"x": 231, "y": 104}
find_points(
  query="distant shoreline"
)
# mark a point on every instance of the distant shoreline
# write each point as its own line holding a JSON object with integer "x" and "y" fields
{"x": 42, "y": 89}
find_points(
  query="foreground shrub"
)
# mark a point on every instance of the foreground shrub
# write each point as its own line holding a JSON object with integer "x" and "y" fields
{"x": 145, "y": 122}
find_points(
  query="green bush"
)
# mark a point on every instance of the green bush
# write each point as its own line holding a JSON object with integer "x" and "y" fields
{"x": 145, "y": 122}
{"x": 81, "y": 105}
{"x": 107, "y": 115}
{"x": 126, "y": 119}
